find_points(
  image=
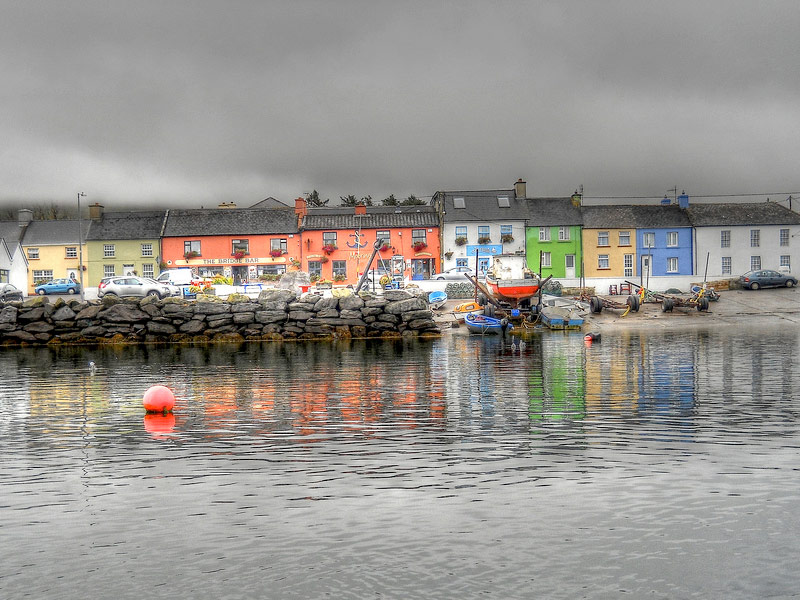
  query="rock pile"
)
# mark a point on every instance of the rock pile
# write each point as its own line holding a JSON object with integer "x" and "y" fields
{"x": 276, "y": 314}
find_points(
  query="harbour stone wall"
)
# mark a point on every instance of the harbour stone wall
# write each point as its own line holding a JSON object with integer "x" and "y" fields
{"x": 277, "y": 314}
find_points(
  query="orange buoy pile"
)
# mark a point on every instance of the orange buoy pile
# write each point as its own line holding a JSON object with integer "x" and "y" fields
{"x": 158, "y": 399}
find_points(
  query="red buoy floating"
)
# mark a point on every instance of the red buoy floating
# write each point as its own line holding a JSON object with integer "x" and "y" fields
{"x": 158, "y": 399}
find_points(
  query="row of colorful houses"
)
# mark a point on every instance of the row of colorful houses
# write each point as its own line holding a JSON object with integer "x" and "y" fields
{"x": 559, "y": 237}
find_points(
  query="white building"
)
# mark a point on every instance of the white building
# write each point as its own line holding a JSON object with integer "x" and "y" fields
{"x": 735, "y": 238}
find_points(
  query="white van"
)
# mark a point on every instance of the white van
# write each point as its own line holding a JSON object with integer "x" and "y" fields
{"x": 180, "y": 276}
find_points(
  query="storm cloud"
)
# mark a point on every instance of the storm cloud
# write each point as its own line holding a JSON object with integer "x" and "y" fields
{"x": 191, "y": 103}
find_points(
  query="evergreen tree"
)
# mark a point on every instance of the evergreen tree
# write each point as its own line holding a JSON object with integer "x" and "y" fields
{"x": 350, "y": 200}
{"x": 412, "y": 200}
{"x": 313, "y": 199}
{"x": 390, "y": 201}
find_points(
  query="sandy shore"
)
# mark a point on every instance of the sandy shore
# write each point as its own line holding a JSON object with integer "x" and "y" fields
{"x": 771, "y": 307}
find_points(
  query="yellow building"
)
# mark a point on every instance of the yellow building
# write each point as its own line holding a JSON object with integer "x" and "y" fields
{"x": 609, "y": 252}
{"x": 53, "y": 251}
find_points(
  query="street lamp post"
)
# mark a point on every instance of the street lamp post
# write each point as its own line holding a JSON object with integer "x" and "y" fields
{"x": 80, "y": 244}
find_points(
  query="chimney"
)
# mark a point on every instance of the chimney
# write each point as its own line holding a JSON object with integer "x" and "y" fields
{"x": 520, "y": 189}
{"x": 25, "y": 216}
{"x": 576, "y": 199}
{"x": 95, "y": 211}
{"x": 361, "y": 209}
{"x": 300, "y": 209}
{"x": 683, "y": 200}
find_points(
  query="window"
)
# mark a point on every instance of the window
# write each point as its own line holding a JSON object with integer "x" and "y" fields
{"x": 278, "y": 244}
{"x": 147, "y": 250}
{"x": 272, "y": 270}
{"x": 602, "y": 261}
{"x": 191, "y": 247}
{"x": 506, "y": 230}
{"x": 628, "y": 265}
{"x": 461, "y": 232}
{"x": 458, "y": 203}
{"x": 672, "y": 239}
{"x": 4, "y": 275}
{"x": 502, "y": 202}
{"x": 545, "y": 259}
{"x": 726, "y": 265}
{"x": 544, "y": 234}
{"x": 109, "y": 250}
{"x": 649, "y": 240}
{"x": 148, "y": 270}
{"x": 483, "y": 232}
{"x": 419, "y": 236}
{"x": 340, "y": 267}
{"x": 43, "y": 275}
{"x": 315, "y": 268}
{"x": 563, "y": 234}
{"x": 108, "y": 271}
{"x": 72, "y": 251}
{"x": 329, "y": 238}
{"x": 602, "y": 239}
{"x": 755, "y": 263}
{"x": 784, "y": 237}
{"x": 624, "y": 238}
{"x": 755, "y": 238}
{"x": 33, "y": 253}
{"x": 462, "y": 262}
{"x": 385, "y": 235}
{"x": 725, "y": 239}
{"x": 672, "y": 264}
{"x": 786, "y": 261}
{"x": 483, "y": 266}
{"x": 240, "y": 246}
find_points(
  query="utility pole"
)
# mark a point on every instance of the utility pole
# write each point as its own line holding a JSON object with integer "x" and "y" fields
{"x": 80, "y": 245}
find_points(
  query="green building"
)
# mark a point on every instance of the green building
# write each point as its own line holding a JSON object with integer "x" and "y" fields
{"x": 123, "y": 243}
{"x": 553, "y": 237}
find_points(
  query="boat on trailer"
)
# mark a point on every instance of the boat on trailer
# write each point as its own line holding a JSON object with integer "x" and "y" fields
{"x": 481, "y": 324}
{"x": 437, "y": 299}
{"x": 510, "y": 280}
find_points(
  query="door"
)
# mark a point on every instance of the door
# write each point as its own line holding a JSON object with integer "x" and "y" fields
{"x": 483, "y": 266}
{"x": 128, "y": 270}
{"x": 569, "y": 264}
{"x": 646, "y": 259}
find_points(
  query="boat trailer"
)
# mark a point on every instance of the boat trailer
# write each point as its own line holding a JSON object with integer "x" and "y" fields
{"x": 598, "y": 303}
{"x": 699, "y": 299}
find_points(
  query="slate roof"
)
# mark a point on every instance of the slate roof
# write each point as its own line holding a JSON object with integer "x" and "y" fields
{"x": 54, "y": 233}
{"x": 546, "y": 212}
{"x": 634, "y": 216}
{"x": 730, "y": 214}
{"x": 482, "y": 206}
{"x": 377, "y": 217}
{"x": 133, "y": 225}
{"x": 10, "y": 231}
{"x": 230, "y": 221}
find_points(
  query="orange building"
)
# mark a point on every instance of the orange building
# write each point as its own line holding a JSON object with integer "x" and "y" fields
{"x": 338, "y": 242}
{"x": 241, "y": 243}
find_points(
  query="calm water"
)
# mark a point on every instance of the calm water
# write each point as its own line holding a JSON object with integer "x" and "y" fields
{"x": 649, "y": 465}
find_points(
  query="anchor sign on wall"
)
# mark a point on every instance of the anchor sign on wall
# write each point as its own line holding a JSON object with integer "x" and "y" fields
{"x": 357, "y": 244}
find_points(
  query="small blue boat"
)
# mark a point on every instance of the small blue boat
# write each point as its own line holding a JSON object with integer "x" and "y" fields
{"x": 437, "y": 299}
{"x": 482, "y": 324}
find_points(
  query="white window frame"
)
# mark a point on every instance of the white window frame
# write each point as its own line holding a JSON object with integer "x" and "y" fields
{"x": 784, "y": 237}
{"x": 627, "y": 265}
{"x": 624, "y": 238}
{"x": 43, "y": 275}
{"x": 563, "y": 234}
{"x": 649, "y": 240}
{"x": 544, "y": 234}
{"x": 148, "y": 270}
{"x": 672, "y": 264}
{"x": 755, "y": 238}
{"x": 147, "y": 250}
{"x": 71, "y": 252}
{"x": 672, "y": 239}
{"x": 725, "y": 238}
{"x": 602, "y": 238}
{"x": 786, "y": 261}
{"x": 726, "y": 265}
{"x": 546, "y": 260}
{"x": 109, "y": 251}
{"x": 109, "y": 271}
{"x": 755, "y": 263}
{"x": 601, "y": 260}
{"x": 33, "y": 254}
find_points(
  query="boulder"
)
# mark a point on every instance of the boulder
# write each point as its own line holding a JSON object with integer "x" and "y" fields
{"x": 328, "y": 313}
{"x": 21, "y": 336}
{"x": 301, "y": 315}
{"x": 400, "y": 306}
{"x": 270, "y": 316}
{"x": 350, "y": 314}
{"x": 417, "y": 314}
{"x": 423, "y": 324}
{"x": 245, "y": 307}
{"x": 123, "y": 313}
{"x": 327, "y": 304}
{"x": 395, "y": 295}
{"x": 275, "y": 305}
{"x": 211, "y": 308}
{"x": 244, "y": 318}
{"x": 39, "y": 327}
{"x": 90, "y": 312}
{"x": 8, "y": 315}
{"x": 161, "y": 328}
{"x": 276, "y": 295}
{"x": 34, "y": 314}
{"x": 193, "y": 326}
{"x": 350, "y": 303}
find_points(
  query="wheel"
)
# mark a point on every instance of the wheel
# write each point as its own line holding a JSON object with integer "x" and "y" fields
{"x": 633, "y": 302}
{"x": 481, "y": 300}
{"x": 702, "y": 304}
{"x": 41, "y": 292}
{"x": 440, "y": 279}
{"x": 790, "y": 282}
{"x": 755, "y": 286}
{"x": 596, "y": 305}
{"x": 667, "y": 304}
{"x": 488, "y": 310}
{"x": 153, "y": 293}
{"x": 71, "y": 291}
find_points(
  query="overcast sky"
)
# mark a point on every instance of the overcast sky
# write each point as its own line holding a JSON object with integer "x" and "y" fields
{"x": 193, "y": 103}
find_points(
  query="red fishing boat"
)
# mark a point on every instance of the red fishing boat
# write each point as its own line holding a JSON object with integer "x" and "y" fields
{"x": 509, "y": 279}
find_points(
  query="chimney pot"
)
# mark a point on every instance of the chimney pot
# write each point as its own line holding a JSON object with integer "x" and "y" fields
{"x": 520, "y": 189}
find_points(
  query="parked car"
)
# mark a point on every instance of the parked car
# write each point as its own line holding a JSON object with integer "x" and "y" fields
{"x": 129, "y": 285}
{"x": 375, "y": 275}
{"x": 58, "y": 286}
{"x": 9, "y": 293}
{"x": 453, "y": 274}
{"x": 755, "y": 280}
{"x": 179, "y": 276}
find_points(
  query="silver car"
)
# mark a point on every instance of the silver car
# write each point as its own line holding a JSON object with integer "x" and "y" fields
{"x": 130, "y": 285}
{"x": 454, "y": 274}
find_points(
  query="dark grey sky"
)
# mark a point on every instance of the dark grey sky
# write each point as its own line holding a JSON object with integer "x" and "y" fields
{"x": 190, "y": 103}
